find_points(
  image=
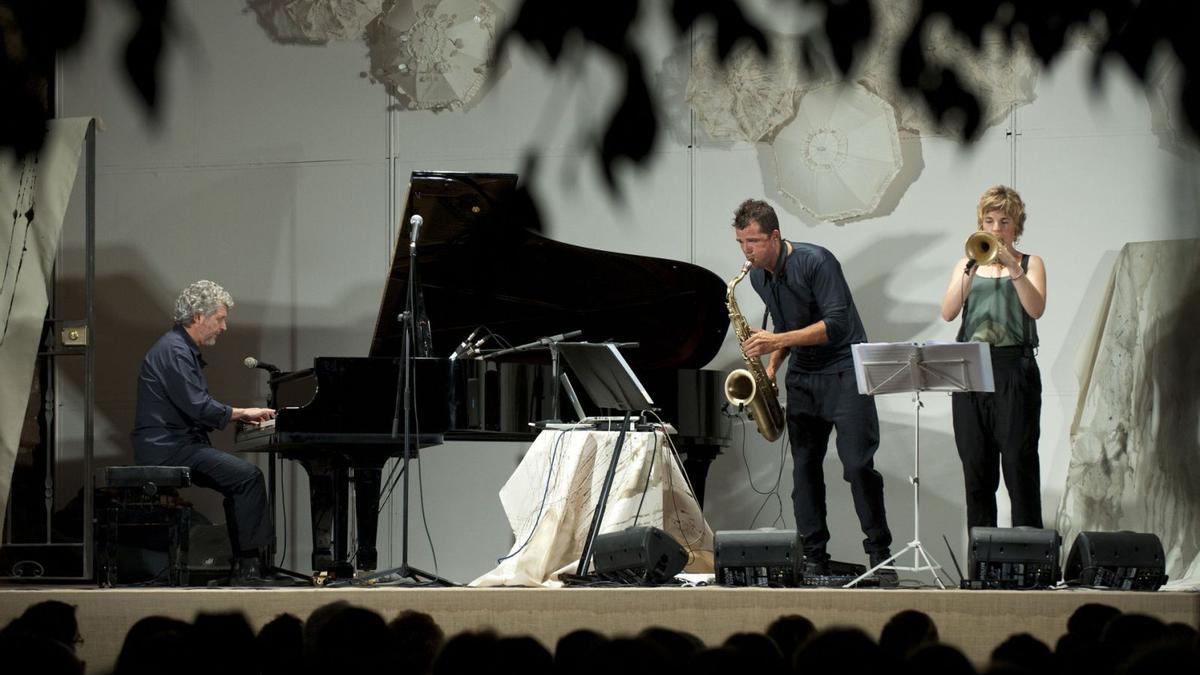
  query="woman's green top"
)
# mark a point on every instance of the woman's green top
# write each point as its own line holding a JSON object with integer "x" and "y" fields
{"x": 993, "y": 314}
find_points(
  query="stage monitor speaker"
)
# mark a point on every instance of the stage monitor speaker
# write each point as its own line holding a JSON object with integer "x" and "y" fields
{"x": 209, "y": 553}
{"x": 769, "y": 558}
{"x": 1014, "y": 558}
{"x": 638, "y": 555}
{"x": 1129, "y": 561}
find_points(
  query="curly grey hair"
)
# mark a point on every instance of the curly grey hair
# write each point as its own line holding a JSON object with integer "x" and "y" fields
{"x": 203, "y": 297}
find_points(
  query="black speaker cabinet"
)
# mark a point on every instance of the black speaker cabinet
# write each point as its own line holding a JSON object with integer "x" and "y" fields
{"x": 1013, "y": 558}
{"x": 209, "y": 554}
{"x": 1130, "y": 561}
{"x": 638, "y": 555}
{"x": 758, "y": 558}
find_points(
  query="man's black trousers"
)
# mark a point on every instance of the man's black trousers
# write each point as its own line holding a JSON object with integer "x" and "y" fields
{"x": 816, "y": 405}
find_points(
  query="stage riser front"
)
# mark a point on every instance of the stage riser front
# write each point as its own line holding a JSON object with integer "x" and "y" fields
{"x": 974, "y": 621}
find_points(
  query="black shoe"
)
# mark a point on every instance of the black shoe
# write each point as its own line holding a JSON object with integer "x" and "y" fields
{"x": 816, "y": 564}
{"x": 248, "y": 573}
{"x": 886, "y": 575}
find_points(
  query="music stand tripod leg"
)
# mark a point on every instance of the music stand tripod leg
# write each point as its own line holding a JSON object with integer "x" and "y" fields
{"x": 598, "y": 515}
{"x": 914, "y": 545}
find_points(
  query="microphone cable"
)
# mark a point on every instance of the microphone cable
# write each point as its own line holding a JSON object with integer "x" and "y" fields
{"x": 558, "y": 443}
{"x": 691, "y": 546}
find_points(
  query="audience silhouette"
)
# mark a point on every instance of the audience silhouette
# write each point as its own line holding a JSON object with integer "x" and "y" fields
{"x": 417, "y": 639}
{"x": 789, "y": 632}
{"x": 343, "y": 638}
{"x": 280, "y": 646}
{"x": 905, "y": 632}
{"x": 150, "y": 643}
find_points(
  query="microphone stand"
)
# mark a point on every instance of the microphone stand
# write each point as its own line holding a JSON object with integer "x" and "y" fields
{"x": 551, "y": 343}
{"x": 273, "y": 402}
{"x": 404, "y": 400}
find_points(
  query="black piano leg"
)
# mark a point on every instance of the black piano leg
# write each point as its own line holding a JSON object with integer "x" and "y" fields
{"x": 322, "y": 498}
{"x": 341, "y": 524}
{"x": 697, "y": 459}
{"x": 366, "y": 506}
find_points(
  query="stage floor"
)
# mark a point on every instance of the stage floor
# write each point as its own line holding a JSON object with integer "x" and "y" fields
{"x": 974, "y": 621}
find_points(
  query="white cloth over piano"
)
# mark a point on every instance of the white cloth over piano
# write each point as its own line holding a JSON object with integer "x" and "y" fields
{"x": 550, "y": 499}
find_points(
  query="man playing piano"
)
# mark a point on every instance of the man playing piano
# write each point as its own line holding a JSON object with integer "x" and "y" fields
{"x": 175, "y": 412}
{"x": 815, "y": 323}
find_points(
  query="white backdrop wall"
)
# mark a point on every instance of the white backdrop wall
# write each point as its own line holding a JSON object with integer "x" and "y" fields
{"x": 275, "y": 170}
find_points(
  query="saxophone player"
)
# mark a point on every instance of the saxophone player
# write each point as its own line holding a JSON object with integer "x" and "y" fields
{"x": 815, "y": 322}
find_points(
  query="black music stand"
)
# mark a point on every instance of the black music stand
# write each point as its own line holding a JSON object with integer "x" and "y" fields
{"x": 906, "y": 367}
{"x": 610, "y": 383}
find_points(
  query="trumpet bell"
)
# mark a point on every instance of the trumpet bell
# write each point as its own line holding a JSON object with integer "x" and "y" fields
{"x": 982, "y": 247}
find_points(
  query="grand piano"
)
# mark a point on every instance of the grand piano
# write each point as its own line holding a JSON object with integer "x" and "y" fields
{"x": 482, "y": 268}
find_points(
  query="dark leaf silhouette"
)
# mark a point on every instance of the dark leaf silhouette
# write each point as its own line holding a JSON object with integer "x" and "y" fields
{"x": 732, "y": 26}
{"x": 850, "y": 21}
{"x": 633, "y": 128}
{"x": 144, "y": 51}
{"x": 32, "y": 32}
{"x": 1133, "y": 32}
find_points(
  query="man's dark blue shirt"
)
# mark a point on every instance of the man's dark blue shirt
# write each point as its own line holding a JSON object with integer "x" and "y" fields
{"x": 808, "y": 286}
{"x": 174, "y": 408}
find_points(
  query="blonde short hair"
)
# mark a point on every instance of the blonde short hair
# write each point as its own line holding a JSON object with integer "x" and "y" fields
{"x": 1006, "y": 199}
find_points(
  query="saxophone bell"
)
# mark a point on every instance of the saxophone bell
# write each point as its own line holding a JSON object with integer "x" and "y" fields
{"x": 740, "y": 388}
{"x": 750, "y": 387}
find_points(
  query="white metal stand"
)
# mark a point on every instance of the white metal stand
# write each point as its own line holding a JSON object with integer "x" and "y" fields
{"x": 973, "y": 365}
{"x": 922, "y": 561}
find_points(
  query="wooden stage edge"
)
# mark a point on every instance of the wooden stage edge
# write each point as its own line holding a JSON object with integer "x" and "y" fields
{"x": 974, "y": 621}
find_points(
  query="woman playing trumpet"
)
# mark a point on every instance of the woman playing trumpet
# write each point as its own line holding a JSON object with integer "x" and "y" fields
{"x": 1001, "y": 292}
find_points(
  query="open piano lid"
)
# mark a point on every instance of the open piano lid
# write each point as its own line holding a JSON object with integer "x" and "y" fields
{"x": 481, "y": 262}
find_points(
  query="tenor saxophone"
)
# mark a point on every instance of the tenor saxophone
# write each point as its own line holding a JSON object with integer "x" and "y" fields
{"x": 750, "y": 386}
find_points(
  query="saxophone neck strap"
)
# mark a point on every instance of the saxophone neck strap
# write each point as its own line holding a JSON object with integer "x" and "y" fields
{"x": 781, "y": 260}
{"x": 777, "y": 277}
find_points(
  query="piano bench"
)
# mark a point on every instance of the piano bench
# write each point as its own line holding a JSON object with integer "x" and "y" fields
{"x": 139, "y": 518}
{"x": 147, "y": 478}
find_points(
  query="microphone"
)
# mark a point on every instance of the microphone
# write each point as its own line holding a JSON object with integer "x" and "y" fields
{"x": 560, "y": 337}
{"x": 473, "y": 350}
{"x": 251, "y": 362}
{"x": 464, "y": 347}
{"x": 414, "y": 229}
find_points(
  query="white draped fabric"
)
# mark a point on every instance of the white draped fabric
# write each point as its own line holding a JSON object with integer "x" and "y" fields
{"x": 34, "y": 192}
{"x": 1135, "y": 442}
{"x": 550, "y": 499}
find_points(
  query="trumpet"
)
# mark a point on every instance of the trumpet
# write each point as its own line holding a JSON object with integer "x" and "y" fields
{"x": 982, "y": 247}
